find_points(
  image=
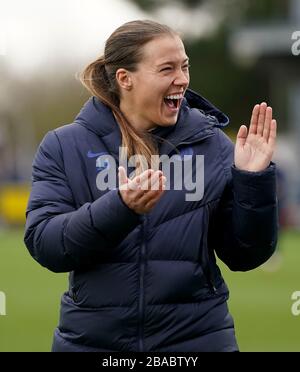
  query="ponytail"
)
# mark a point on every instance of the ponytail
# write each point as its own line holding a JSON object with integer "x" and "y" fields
{"x": 95, "y": 78}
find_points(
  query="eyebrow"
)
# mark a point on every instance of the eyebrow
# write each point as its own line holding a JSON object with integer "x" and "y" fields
{"x": 172, "y": 62}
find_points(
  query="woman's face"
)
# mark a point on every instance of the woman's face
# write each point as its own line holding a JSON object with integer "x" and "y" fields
{"x": 159, "y": 83}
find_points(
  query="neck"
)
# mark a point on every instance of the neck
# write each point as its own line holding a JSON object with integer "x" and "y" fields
{"x": 135, "y": 120}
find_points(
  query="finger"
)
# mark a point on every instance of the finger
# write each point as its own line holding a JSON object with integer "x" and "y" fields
{"x": 150, "y": 183}
{"x": 122, "y": 175}
{"x": 147, "y": 183}
{"x": 242, "y": 135}
{"x": 151, "y": 203}
{"x": 161, "y": 181}
{"x": 261, "y": 118}
{"x": 267, "y": 126}
{"x": 145, "y": 174}
{"x": 272, "y": 136}
{"x": 137, "y": 181}
{"x": 144, "y": 177}
{"x": 153, "y": 193}
{"x": 137, "y": 195}
{"x": 137, "y": 185}
{"x": 155, "y": 181}
{"x": 254, "y": 120}
{"x": 123, "y": 180}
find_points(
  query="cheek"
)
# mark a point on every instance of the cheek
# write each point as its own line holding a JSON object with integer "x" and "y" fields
{"x": 144, "y": 100}
{"x": 187, "y": 76}
{"x": 153, "y": 102}
{"x": 162, "y": 88}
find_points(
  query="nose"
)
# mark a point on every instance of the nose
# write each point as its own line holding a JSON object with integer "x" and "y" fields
{"x": 181, "y": 79}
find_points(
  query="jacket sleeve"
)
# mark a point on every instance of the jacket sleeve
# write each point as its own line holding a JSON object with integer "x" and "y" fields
{"x": 59, "y": 236}
{"x": 247, "y": 220}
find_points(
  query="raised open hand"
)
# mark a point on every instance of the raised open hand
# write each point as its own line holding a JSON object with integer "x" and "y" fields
{"x": 254, "y": 150}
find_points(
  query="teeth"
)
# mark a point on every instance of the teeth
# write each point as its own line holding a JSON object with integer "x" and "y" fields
{"x": 177, "y": 96}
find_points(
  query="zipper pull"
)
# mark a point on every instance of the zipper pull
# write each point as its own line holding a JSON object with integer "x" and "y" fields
{"x": 213, "y": 288}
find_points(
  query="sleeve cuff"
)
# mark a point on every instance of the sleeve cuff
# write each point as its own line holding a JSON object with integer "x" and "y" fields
{"x": 255, "y": 189}
{"x": 111, "y": 216}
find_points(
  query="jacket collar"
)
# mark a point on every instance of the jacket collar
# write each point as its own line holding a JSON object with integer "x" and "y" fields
{"x": 196, "y": 120}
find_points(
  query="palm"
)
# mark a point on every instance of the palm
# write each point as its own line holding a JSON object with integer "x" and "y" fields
{"x": 254, "y": 150}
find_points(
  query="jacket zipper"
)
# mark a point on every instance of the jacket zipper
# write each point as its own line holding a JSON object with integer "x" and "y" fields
{"x": 207, "y": 270}
{"x": 143, "y": 263}
{"x": 141, "y": 287}
{"x": 211, "y": 281}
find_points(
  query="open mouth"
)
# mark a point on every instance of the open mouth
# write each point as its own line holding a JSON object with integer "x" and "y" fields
{"x": 173, "y": 101}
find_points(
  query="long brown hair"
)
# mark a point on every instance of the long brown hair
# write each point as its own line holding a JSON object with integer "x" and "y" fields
{"x": 124, "y": 49}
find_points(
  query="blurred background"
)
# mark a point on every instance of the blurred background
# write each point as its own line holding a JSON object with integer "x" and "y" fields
{"x": 242, "y": 52}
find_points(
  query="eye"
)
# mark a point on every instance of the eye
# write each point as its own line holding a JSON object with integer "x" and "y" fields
{"x": 186, "y": 67}
{"x": 166, "y": 69}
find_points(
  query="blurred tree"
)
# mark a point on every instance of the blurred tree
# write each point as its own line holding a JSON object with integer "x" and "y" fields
{"x": 52, "y": 107}
{"x": 266, "y": 10}
{"x": 30, "y": 107}
{"x": 232, "y": 88}
{"x": 248, "y": 9}
{"x": 150, "y": 5}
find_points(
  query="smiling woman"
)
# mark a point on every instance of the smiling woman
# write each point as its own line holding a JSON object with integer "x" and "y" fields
{"x": 141, "y": 257}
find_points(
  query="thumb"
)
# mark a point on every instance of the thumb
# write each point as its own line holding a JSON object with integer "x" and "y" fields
{"x": 242, "y": 135}
{"x": 122, "y": 176}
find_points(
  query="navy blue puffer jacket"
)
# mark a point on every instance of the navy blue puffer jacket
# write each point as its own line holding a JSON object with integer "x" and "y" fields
{"x": 147, "y": 282}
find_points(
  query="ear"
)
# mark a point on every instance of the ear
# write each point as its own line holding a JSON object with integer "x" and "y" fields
{"x": 123, "y": 78}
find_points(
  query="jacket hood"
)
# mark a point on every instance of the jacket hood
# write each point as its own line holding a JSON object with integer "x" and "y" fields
{"x": 215, "y": 116}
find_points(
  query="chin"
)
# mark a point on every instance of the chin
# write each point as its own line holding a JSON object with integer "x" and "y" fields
{"x": 169, "y": 121}
{"x": 172, "y": 122}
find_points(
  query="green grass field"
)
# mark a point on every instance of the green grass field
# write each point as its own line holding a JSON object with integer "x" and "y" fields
{"x": 260, "y": 301}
